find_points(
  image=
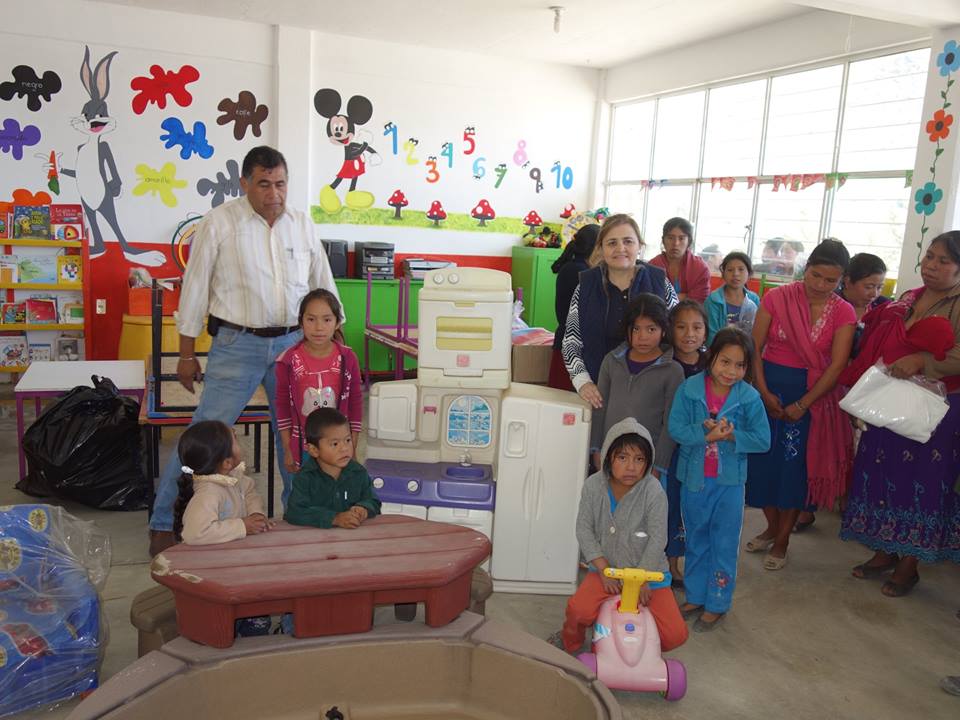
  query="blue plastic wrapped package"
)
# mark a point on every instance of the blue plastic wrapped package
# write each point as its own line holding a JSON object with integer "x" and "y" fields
{"x": 51, "y": 635}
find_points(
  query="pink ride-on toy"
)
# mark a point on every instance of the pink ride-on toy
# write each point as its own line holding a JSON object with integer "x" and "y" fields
{"x": 626, "y": 644}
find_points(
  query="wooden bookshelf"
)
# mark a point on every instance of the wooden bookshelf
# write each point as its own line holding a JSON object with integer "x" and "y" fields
{"x": 11, "y": 327}
{"x": 41, "y": 286}
{"x": 40, "y": 242}
{"x": 79, "y": 248}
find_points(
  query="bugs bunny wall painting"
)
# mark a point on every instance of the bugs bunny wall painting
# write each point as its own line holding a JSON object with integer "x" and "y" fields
{"x": 96, "y": 171}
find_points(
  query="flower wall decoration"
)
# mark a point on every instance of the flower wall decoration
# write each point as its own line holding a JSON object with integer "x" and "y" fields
{"x": 938, "y": 131}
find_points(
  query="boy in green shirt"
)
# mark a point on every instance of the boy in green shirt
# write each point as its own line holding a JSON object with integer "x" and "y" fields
{"x": 331, "y": 489}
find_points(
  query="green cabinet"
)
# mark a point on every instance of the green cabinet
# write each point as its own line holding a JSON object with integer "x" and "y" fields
{"x": 384, "y": 298}
{"x": 531, "y": 271}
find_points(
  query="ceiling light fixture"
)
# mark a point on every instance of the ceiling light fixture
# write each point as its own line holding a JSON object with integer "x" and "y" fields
{"x": 557, "y": 9}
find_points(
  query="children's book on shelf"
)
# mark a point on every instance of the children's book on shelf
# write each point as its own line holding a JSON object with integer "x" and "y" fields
{"x": 40, "y": 351}
{"x": 31, "y": 221}
{"x": 13, "y": 313}
{"x": 6, "y": 216}
{"x": 13, "y": 350}
{"x": 69, "y": 269}
{"x": 42, "y": 311}
{"x": 9, "y": 269}
{"x": 66, "y": 221}
{"x": 71, "y": 313}
{"x": 69, "y": 348}
{"x": 38, "y": 269}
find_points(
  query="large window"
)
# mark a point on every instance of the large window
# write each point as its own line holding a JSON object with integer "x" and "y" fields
{"x": 811, "y": 154}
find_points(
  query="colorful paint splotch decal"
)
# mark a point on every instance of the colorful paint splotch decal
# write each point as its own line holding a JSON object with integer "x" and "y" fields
{"x": 13, "y": 138}
{"x": 244, "y": 113}
{"x": 160, "y": 182}
{"x": 195, "y": 142}
{"x": 222, "y": 186}
{"x": 26, "y": 83}
{"x": 22, "y": 196}
{"x": 154, "y": 90}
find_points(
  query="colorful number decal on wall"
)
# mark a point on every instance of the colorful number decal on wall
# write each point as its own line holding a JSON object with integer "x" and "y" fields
{"x": 433, "y": 174}
{"x": 447, "y": 152}
{"x": 391, "y": 130}
{"x": 468, "y": 134}
{"x": 408, "y": 147}
{"x": 535, "y": 176}
{"x": 478, "y": 169}
{"x": 500, "y": 170}
{"x": 520, "y": 156}
{"x": 567, "y": 176}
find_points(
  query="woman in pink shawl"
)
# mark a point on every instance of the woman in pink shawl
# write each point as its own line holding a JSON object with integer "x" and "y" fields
{"x": 689, "y": 274}
{"x": 805, "y": 331}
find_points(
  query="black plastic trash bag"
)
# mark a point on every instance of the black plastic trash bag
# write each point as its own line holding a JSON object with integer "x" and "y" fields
{"x": 86, "y": 448}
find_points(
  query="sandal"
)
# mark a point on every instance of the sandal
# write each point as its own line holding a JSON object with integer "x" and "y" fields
{"x": 806, "y": 525}
{"x": 702, "y": 626}
{"x": 894, "y": 589}
{"x": 774, "y": 563}
{"x": 759, "y": 544}
{"x": 866, "y": 571}
{"x": 690, "y": 612}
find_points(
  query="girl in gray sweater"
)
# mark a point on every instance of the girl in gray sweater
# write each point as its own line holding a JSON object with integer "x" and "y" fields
{"x": 622, "y": 522}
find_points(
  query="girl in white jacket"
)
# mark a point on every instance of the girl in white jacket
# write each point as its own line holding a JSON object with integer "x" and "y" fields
{"x": 217, "y": 502}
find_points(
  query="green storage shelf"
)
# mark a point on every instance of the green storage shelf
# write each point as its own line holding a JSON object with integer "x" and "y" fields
{"x": 385, "y": 297}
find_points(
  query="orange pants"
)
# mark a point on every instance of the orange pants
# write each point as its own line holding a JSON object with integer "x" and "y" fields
{"x": 584, "y": 606}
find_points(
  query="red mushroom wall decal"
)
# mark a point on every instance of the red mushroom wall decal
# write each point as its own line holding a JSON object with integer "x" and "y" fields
{"x": 436, "y": 213}
{"x": 532, "y": 220}
{"x": 397, "y": 200}
{"x": 568, "y": 210}
{"x": 483, "y": 212}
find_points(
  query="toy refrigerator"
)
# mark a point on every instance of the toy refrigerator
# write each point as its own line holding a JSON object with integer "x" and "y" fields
{"x": 541, "y": 463}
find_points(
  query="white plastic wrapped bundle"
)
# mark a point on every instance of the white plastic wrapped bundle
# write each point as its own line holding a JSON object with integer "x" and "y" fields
{"x": 912, "y": 408}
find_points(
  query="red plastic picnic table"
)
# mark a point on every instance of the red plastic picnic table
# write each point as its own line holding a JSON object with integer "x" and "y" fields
{"x": 329, "y": 579}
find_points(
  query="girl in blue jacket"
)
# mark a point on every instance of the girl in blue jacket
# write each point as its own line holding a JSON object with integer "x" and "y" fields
{"x": 717, "y": 418}
{"x": 732, "y": 303}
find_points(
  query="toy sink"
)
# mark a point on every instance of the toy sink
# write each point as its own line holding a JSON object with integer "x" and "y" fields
{"x": 467, "y": 472}
{"x": 471, "y": 669}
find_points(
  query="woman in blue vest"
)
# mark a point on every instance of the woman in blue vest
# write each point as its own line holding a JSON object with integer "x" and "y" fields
{"x": 594, "y": 323}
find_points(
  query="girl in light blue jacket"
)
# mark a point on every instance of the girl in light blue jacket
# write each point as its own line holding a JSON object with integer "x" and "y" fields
{"x": 717, "y": 419}
{"x": 732, "y": 303}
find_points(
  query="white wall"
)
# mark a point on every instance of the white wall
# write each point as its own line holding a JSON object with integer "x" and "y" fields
{"x": 432, "y": 95}
{"x": 811, "y": 37}
{"x": 921, "y": 229}
{"x": 230, "y": 57}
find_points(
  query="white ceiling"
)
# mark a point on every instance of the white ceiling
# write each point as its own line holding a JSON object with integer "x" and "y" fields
{"x": 594, "y": 33}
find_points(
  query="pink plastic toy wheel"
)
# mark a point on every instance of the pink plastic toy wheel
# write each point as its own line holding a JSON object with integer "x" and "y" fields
{"x": 590, "y": 660}
{"x": 676, "y": 680}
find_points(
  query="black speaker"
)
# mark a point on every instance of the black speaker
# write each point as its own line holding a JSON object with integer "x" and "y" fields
{"x": 337, "y": 256}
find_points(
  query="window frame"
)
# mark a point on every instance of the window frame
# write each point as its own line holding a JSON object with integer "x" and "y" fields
{"x": 697, "y": 184}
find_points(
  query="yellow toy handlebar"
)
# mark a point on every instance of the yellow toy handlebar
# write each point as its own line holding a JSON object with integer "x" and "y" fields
{"x": 633, "y": 579}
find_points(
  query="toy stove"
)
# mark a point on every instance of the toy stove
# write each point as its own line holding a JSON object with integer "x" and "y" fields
{"x": 462, "y": 439}
{"x": 446, "y": 492}
{"x": 433, "y": 485}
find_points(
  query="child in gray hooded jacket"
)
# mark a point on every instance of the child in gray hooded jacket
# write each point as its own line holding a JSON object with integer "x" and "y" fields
{"x": 622, "y": 522}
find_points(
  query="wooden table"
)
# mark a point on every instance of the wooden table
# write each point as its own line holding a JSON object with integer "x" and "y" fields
{"x": 329, "y": 579}
{"x": 52, "y": 379}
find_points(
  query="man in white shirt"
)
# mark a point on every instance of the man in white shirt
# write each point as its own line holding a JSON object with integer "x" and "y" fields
{"x": 251, "y": 261}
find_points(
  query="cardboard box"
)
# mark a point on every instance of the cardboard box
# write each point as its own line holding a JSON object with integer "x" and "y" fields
{"x": 531, "y": 363}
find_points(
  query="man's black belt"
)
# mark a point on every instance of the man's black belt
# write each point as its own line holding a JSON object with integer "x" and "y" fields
{"x": 267, "y": 332}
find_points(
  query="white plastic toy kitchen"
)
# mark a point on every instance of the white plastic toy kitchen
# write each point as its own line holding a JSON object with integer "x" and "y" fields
{"x": 462, "y": 444}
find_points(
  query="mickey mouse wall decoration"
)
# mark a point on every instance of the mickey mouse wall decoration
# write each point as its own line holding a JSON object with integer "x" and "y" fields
{"x": 342, "y": 131}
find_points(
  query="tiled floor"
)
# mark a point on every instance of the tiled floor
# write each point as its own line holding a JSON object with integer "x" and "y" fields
{"x": 809, "y": 641}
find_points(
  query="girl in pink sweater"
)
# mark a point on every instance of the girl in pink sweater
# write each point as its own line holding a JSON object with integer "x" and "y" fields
{"x": 317, "y": 372}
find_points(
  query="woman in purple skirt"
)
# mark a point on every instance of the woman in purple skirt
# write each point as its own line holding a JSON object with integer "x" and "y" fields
{"x": 903, "y": 500}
